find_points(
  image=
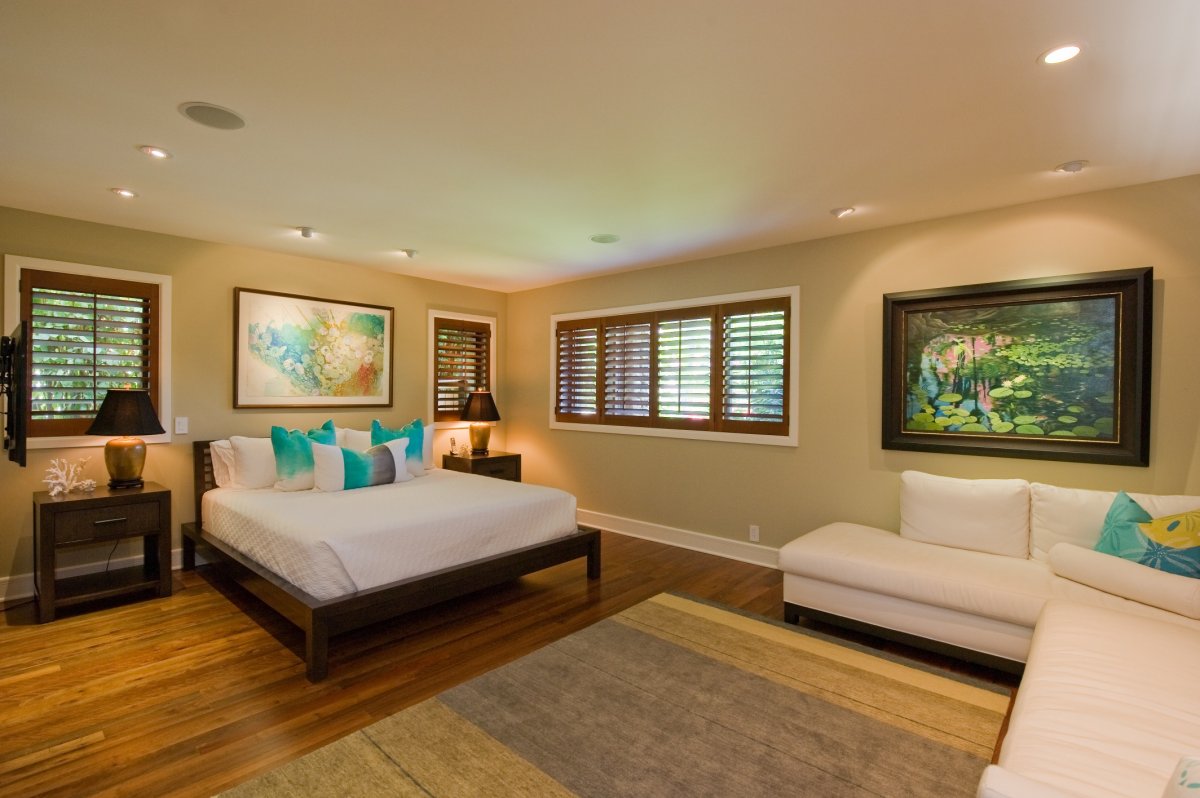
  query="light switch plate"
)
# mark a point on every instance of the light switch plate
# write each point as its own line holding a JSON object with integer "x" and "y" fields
{"x": 181, "y": 425}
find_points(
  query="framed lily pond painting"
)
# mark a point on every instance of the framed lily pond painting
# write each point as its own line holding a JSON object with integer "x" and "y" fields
{"x": 301, "y": 351}
{"x": 1051, "y": 368}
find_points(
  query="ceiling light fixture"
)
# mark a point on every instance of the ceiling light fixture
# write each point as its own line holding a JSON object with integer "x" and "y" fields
{"x": 1059, "y": 54}
{"x": 213, "y": 116}
{"x": 605, "y": 238}
{"x": 305, "y": 232}
{"x": 842, "y": 213}
{"x": 124, "y": 192}
{"x": 154, "y": 152}
{"x": 1071, "y": 167}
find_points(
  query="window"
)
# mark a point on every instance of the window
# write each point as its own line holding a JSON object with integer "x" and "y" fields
{"x": 723, "y": 367}
{"x": 462, "y": 361}
{"x": 91, "y": 329}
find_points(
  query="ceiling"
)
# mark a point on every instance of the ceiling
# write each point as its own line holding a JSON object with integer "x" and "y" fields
{"x": 496, "y": 137}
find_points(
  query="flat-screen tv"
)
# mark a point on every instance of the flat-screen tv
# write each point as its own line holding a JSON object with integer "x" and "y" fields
{"x": 14, "y": 387}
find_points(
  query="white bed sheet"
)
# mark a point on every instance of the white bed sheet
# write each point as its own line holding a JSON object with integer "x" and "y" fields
{"x": 332, "y": 544}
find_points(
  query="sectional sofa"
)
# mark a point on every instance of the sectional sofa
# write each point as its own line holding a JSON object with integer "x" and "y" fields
{"x": 1004, "y": 572}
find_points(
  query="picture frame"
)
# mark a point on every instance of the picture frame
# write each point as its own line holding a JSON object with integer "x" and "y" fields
{"x": 1054, "y": 368}
{"x": 291, "y": 350}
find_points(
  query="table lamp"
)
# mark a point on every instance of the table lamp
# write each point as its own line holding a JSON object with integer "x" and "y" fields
{"x": 479, "y": 410}
{"x": 127, "y": 414}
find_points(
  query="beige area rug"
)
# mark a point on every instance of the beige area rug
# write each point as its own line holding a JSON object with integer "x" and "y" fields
{"x": 673, "y": 697}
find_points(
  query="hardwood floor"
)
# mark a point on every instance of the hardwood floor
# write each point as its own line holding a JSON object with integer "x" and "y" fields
{"x": 192, "y": 694}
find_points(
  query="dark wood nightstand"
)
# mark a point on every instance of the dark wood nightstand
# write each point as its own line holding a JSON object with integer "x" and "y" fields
{"x": 501, "y": 465}
{"x": 103, "y": 515}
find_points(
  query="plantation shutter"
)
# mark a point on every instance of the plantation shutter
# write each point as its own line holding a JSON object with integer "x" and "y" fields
{"x": 684, "y": 368}
{"x": 462, "y": 363}
{"x": 87, "y": 334}
{"x": 627, "y": 367}
{"x": 578, "y": 348}
{"x": 754, "y": 366}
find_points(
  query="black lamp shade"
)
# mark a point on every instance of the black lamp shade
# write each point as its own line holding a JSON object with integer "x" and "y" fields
{"x": 126, "y": 412}
{"x": 480, "y": 407}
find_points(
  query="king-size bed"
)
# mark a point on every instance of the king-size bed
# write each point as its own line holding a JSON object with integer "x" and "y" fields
{"x": 332, "y": 562}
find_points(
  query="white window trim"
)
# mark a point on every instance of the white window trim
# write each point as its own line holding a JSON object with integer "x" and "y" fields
{"x": 490, "y": 321}
{"x": 13, "y": 264}
{"x": 791, "y": 439}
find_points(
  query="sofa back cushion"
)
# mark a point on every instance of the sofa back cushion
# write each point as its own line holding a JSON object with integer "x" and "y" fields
{"x": 989, "y": 515}
{"x": 1076, "y": 515}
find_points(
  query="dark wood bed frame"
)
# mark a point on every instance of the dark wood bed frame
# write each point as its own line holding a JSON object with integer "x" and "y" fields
{"x": 321, "y": 619}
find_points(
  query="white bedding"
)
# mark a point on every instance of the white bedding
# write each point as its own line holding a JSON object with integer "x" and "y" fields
{"x": 332, "y": 544}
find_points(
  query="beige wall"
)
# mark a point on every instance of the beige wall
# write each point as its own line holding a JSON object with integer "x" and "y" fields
{"x": 203, "y": 276}
{"x": 839, "y": 471}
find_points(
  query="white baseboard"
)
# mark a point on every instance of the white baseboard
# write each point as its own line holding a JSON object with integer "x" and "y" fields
{"x": 753, "y": 553}
{"x": 20, "y": 586}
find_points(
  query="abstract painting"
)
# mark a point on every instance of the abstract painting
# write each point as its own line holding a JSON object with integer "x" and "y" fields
{"x": 1052, "y": 368}
{"x": 301, "y": 351}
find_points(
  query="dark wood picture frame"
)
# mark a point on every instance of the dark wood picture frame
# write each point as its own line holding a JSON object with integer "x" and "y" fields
{"x": 376, "y": 349}
{"x": 1026, "y": 362}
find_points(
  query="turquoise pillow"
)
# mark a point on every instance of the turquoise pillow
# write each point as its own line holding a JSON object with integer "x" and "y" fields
{"x": 1124, "y": 535}
{"x": 293, "y": 454}
{"x": 415, "y": 432}
{"x": 337, "y": 468}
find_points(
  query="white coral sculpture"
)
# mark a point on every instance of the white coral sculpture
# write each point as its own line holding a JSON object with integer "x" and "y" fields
{"x": 63, "y": 476}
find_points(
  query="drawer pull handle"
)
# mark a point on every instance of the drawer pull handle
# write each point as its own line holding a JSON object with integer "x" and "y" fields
{"x": 109, "y": 521}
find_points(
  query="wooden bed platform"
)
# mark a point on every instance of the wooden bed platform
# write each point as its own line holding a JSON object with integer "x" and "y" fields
{"x": 321, "y": 619}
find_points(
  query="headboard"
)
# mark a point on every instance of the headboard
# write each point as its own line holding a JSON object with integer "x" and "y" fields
{"x": 202, "y": 474}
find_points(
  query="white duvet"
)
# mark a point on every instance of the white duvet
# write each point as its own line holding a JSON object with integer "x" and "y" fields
{"x": 332, "y": 544}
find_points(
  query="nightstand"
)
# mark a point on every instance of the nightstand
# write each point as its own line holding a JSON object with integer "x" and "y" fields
{"x": 501, "y": 465}
{"x": 102, "y": 516}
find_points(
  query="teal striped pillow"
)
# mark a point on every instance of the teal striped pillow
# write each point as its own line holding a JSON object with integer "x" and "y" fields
{"x": 338, "y": 468}
{"x": 415, "y": 432}
{"x": 293, "y": 454}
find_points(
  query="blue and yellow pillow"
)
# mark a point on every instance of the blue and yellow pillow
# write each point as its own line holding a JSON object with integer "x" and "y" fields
{"x": 1170, "y": 543}
{"x": 293, "y": 454}
{"x": 338, "y": 468}
{"x": 414, "y": 432}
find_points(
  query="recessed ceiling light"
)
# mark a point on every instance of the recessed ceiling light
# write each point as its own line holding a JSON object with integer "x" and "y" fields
{"x": 1071, "y": 167}
{"x": 842, "y": 213}
{"x": 154, "y": 152}
{"x": 124, "y": 192}
{"x": 305, "y": 232}
{"x": 213, "y": 116}
{"x": 1059, "y": 54}
{"x": 606, "y": 238}
{"x": 407, "y": 253}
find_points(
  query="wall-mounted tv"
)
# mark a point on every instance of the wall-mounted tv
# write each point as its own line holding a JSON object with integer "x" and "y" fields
{"x": 14, "y": 389}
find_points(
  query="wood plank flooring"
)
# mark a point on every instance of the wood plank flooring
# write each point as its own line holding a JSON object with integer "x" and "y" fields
{"x": 192, "y": 694}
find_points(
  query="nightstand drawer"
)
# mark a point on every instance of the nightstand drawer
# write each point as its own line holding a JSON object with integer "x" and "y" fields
{"x": 502, "y": 469}
{"x": 75, "y": 526}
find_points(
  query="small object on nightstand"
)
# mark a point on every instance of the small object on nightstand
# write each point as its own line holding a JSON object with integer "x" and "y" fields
{"x": 105, "y": 516}
{"x": 501, "y": 465}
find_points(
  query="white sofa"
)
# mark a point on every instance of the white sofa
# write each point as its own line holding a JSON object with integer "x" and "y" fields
{"x": 976, "y": 567}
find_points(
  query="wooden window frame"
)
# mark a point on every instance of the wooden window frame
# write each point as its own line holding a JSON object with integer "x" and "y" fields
{"x": 443, "y": 420}
{"x": 468, "y": 326}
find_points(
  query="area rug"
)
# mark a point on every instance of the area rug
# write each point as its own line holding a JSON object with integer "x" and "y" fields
{"x": 673, "y": 697}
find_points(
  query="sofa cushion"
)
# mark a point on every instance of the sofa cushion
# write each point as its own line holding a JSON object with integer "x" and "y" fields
{"x": 989, "y": 515}
{"x": 1108, "y": 702}
{"x": 1178, "y": 594}
{"x": 995, "y": 586}
{"x": 1076, "y": 515}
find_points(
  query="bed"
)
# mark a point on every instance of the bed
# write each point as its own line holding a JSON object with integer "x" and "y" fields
{"x": 329, "y": 586}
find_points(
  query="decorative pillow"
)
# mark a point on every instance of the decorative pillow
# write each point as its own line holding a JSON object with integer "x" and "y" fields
{"x": 293, "y": 454}
{"x": 253, "y": 462}
{"x": 337, "y": 468}
{"x": 222, "y": 464}
{"x": 1170, "y": 543}
{"x": 414, "y": 431}
{"x": 1185, "y": 781}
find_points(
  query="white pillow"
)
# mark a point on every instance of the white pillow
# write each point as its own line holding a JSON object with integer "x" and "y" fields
{"x": 1127, "y": 579}
{"x": 222, "y": 464}
{"x": 989, "y": 515}
{"x": 253, "y": 462}
{"x": 357, "y": 439}
{"x": 427, "y": 446}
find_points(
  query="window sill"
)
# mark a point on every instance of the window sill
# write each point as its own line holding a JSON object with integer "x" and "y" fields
{"x": 791, "y": 439}
{"x": 86, "y": 441}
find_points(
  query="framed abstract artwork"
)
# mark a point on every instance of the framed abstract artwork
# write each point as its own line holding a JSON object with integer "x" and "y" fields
{"x": 301, "y": 351}
{"x": 1051, "y": 368}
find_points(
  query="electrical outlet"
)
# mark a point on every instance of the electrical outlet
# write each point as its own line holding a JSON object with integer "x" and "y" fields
{"x": 754, "y": 533}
